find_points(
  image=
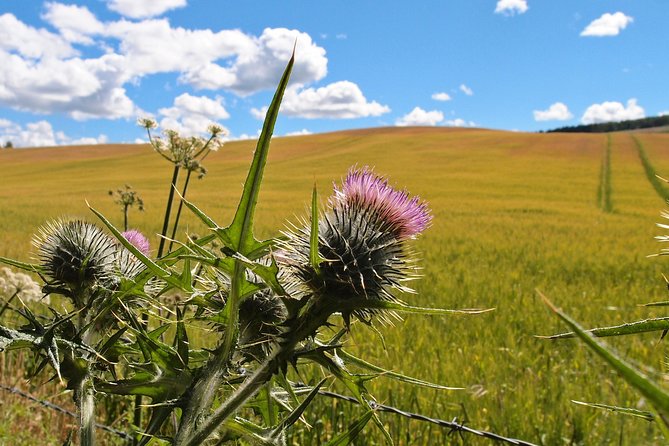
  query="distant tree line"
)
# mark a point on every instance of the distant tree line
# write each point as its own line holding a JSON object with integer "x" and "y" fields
{"x": 644, "y": 123}
{"x": 8, "y": 145}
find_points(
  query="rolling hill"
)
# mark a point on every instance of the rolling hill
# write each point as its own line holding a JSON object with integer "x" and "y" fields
{"x": 513, "y": 212}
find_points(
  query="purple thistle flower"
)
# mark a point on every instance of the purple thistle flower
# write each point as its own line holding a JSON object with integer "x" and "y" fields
{"x": 138, "y": 240}
{"x": 403, "y": 215}
{"x": 362, "y": 240}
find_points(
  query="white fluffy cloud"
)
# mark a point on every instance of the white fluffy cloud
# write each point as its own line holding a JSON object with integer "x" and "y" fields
{"x": 556, "y": 112}
{"x": 43, "y": 72}
{"x": 39, "y": 134}
{"x": 612, "y": 112}
{"x": 260, "y": 62}
{"x": 459, "y": 122}
{"x": 299, "y": 133}
{"x": 441, "y": 96}
{"x": 141, "y": 9}
{"x": 466, "y": 90}
{"x": 339, "y": 100}
{"x": 75, "y": 23}
{"x": 29, "y": 42}
{"x": 510, "y": 7}
{"x": 418, "y": 116}
{"x": 191, "y": 115}
{"x": 607, "y": 25}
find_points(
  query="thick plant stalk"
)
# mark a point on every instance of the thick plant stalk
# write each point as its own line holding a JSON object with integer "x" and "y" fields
{"x": 205, "y": 389}
{"x": 306, "y": 325}
{"x": 84, "y": 394}
{"x": 85, "y": 400}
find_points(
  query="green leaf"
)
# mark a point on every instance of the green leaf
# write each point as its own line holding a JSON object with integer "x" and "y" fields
{"x": 657, "y": 304}
{"x": 32, "y": 267}
{"x": 647, "y": 325}
{"x": 240, "y": 232}
{"x": 156, "y": 269}
{"x": 359, "y": 304}
{"x": 390, "y": 374}
{"x": 297, "y": 412}
{"x": 657, "y": 396}
{"x": 648, "y": 416}
{"x": 353, "y": 430}
{"x": 315, "y": 258}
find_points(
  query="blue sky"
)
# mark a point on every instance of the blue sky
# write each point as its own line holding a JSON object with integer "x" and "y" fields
{"x": 84, "y": 71}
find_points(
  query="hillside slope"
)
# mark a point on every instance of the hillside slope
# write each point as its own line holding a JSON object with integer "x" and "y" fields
{"x": 513, "y": 213}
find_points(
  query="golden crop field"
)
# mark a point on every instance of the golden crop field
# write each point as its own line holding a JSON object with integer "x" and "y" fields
{"x": 513, "y": 213}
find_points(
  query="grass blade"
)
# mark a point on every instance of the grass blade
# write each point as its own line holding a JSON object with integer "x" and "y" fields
{"x": 622, "y": 410}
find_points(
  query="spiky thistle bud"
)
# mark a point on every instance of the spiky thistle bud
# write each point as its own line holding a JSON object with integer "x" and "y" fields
{"x": 361, "y": 238}
{"x": 260, "y": 318}
{"x": 75, "y": 253}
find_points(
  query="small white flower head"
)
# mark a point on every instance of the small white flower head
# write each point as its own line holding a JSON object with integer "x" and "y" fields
{"x": 21, "y": 285}
{"x": 217, "y": 130}
{"x": 147, "y": 123}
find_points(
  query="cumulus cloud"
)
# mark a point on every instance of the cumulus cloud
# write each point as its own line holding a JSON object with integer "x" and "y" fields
{"x": 260, "y": 62}
{"x": 612, "y": 112}
{"x": 556, "y": 112}
{"x": 420, "y": 117}
{"x": 41, "y": 71}
{"x": 441, "y": 96}
{"x": 339, "y": 100}
{"x": 39, "y": 134}
{"x": 142, "y": 9}
{"x": 299, "y": 133}
{"x": 76, "y": 24}
{"x": 26, "y": 41}
{"x": 466, "y": 90}
{"x": 459, "y": 122}
{"x": 607, "y": 25}
{"x": 191, "y": 115}
{"x": 511, "y": 7}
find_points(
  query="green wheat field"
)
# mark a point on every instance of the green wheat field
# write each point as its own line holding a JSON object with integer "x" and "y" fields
{"x": 571, "y": 215}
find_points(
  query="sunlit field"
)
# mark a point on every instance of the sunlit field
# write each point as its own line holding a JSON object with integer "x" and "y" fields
{"x": 514, "y": 213}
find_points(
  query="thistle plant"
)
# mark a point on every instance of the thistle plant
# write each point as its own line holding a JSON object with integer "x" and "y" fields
{"x": 268, "y": 305}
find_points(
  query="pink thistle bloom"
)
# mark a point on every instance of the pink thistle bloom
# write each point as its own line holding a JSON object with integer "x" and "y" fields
{"x": 405, "y": 216}
{"x": 138, "y": 240}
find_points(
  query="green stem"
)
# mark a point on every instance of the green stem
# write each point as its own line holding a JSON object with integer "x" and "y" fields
{"x": 125, "y": 217}
{"x": 168, "y": 210}
{"x": 181, "y": 205}
{"x": 9, "y": 301}
{"x": 85, "y": 400}
{"x": 305, "y": 326}
{"x": 204, "y": 390}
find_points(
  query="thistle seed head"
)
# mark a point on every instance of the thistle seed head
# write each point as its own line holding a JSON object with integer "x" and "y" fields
{"x": 75, "y": 253}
